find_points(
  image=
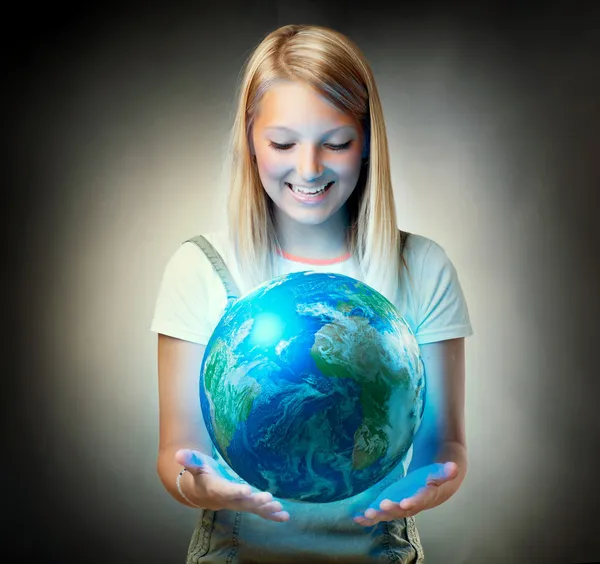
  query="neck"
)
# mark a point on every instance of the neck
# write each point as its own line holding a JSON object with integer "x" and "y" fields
{"x": 324, "y": 241}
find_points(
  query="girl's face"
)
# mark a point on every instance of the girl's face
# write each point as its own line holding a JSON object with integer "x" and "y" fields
{"x": 308, "y": 153}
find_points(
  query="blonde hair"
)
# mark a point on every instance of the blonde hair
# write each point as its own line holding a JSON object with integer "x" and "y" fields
{"x": 332, "y": 64}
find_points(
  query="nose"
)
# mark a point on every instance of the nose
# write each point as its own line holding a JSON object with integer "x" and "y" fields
{"x": 309, "y": 164}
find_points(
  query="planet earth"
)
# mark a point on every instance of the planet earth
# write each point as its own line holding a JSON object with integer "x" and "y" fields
{"x": 312, "y": 387}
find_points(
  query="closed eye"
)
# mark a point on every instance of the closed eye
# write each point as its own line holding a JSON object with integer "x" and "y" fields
{"x": 280, "y": 147}
{"x": 341, "y": 147}
{"x": 288, "y": 146}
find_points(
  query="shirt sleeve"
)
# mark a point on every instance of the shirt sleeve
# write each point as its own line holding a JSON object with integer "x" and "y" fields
{"x": 442, "y": 311}
{"x": 190, "y": 299}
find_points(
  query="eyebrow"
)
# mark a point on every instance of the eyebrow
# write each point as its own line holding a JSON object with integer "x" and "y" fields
{"x": 329, "y": 132}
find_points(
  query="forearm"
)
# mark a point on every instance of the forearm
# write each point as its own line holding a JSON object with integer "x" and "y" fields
{"x": 168, "y": 470}
{"x": 451, "y": 451}
{"x": 427, "y": 451}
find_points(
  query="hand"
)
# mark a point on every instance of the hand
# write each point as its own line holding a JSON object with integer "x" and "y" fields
{"x": 214, "y": 491}
{"x": 416, "y": 492}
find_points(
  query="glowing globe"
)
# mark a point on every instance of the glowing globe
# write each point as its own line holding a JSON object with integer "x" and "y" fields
{"x": 312, "y": 387}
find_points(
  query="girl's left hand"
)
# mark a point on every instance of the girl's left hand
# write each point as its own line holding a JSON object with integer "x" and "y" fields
{"x": 416, "y": 492}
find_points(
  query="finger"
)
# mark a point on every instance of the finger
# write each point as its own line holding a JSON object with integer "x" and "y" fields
{"x": 419, "y": 502}
{"x": 238, "y": 492}
{"x": 405, "y": 508}
{"x": 420, "y": 498}
{"x": 389, "y": 510}
{"x": 379, "y": 516}
{"x": 268, "y": 508}
{"x": 262, "y": 498}
{"x": 226, "y": 490}
{"x": 395, "y": 512}
{"x": 263, "y": 505}
{"x": 407, "y": 486}
{"x": 273, "y": 511}
{"x": 262, "y": 501}
{"x": 278, "y": 517}
{"x": 373, "y": 518}
{"x": 271, "y": 507}
{"x": 389, "y": 505}
{"x": 371, "y": 513}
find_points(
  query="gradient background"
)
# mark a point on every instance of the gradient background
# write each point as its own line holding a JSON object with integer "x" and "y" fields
{"x": 115, "y": 126}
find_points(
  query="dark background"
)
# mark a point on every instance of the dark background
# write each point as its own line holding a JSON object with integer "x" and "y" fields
{"x": 114, "y": 121}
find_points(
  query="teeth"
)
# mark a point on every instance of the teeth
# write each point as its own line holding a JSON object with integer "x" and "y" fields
{"x": 308, "y": 191}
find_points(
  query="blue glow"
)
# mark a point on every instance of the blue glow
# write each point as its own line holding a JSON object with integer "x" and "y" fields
{"x": 267, "y": 330}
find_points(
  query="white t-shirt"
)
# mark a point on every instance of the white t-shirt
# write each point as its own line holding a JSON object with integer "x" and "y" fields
{"x": 192, "y": 299}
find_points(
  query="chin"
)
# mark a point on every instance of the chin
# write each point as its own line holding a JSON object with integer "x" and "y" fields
{"x": 307, "y": 218}
{"x": 312, "y": 220}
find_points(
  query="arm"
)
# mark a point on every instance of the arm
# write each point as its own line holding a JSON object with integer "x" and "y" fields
{"x": 184, "y": 439}
{"x": 181, "y": 425}
{"x": 441, "y": 437}
{"x": 430, "y": 480}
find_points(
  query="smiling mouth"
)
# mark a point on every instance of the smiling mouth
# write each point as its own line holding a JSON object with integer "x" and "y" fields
{"x": 316, "y": 191}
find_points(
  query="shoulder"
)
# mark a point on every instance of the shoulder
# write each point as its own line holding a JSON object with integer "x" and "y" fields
{"x": 425, "y": 256}
{"x": 189, "y": 265}
{"x": 190, "y": 253}
{"x": 435, "y": 305}
{"x": 219, "y": 240}
{"x": 191, "y": 297}
{"x": 438, "y": 309}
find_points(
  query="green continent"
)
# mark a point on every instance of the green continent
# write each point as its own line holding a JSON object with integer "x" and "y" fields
{"x": 358, "y": 352}
{"x": 375, "y": 301}
{"x": 232, "y": 393}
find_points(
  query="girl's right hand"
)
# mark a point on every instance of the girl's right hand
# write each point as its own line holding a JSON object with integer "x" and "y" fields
{"x": 213, "y": 491}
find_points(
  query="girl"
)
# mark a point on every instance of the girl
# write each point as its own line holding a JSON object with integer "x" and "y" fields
{"x": 310, "y": 190}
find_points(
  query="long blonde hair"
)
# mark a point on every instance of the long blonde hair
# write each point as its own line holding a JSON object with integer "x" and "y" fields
{"x": 333, "y": 65}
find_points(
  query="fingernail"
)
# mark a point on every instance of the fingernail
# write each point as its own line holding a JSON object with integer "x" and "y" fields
{"x": 282, "y": 515}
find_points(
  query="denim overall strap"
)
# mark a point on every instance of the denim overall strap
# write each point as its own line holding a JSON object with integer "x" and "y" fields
{"x": 218, "y": 263}
{"x": 201, "y": 539}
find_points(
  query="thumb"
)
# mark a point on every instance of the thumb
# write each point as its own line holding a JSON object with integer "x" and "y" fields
{"x": 442, "y": 473}
{"x": 192, "y": 460}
